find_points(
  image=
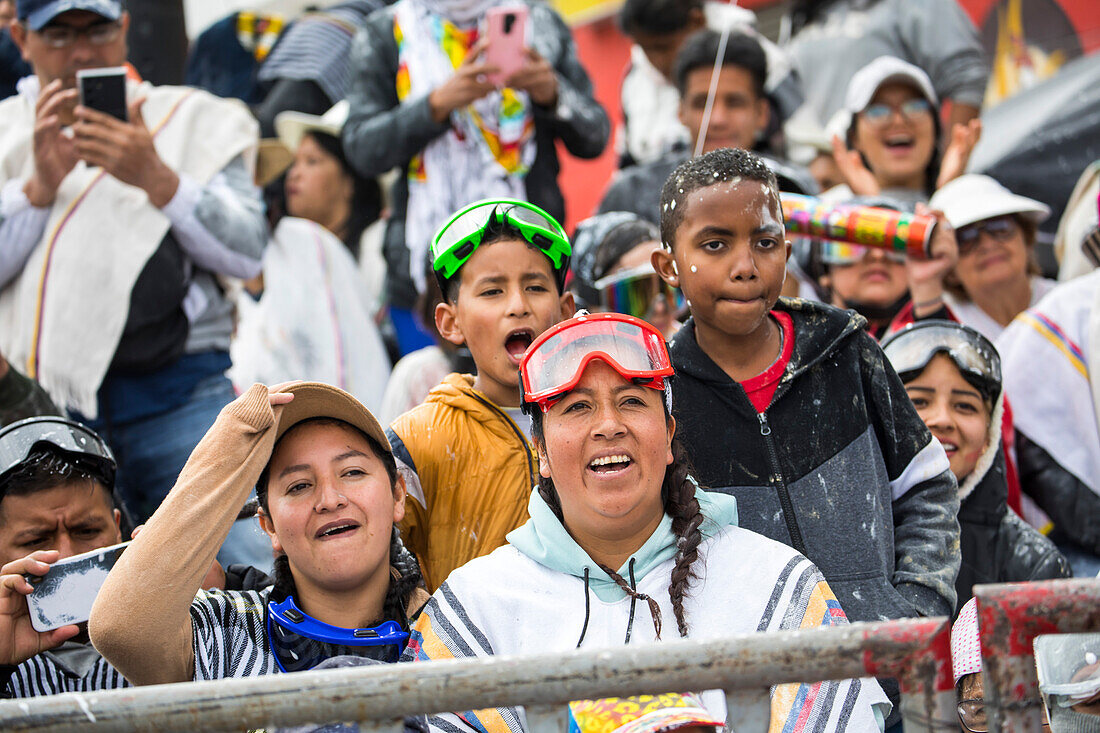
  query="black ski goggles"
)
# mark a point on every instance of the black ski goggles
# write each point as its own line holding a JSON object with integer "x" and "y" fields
{"x": 301, "y": 642}
{"x": 80, "y": 445}
{"x": 910, "y": 349}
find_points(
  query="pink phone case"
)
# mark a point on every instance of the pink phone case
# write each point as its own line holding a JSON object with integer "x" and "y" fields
{"x": 507, "y": 34}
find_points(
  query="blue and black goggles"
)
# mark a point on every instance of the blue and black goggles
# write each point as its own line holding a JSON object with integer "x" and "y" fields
{"x": 301, "y": 642}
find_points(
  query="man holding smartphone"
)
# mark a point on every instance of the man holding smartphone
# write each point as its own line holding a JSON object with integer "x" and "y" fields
{"x": 55, "y": 502}
{"x": 114, "y": 233}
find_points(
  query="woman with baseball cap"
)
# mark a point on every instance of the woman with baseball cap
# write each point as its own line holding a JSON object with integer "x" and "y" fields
{"x": 329, "y": 497}
{"x": 886, "y": 139}
{"x": 997, "y": 276}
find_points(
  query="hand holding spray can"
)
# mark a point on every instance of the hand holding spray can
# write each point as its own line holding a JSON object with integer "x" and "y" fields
{"x": 866, "y": 226}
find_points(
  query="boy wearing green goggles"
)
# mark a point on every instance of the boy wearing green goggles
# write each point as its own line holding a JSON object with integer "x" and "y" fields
{"x": 501, "y": 265}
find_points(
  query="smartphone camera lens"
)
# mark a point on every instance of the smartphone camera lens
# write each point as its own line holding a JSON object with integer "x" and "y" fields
{"x": 509, "y": 21}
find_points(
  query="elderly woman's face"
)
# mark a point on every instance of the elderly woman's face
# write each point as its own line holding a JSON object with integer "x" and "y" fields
{"x": 606, "y": 446}
{"x": 896, "y": 135}
{"x": 992, "y": 253}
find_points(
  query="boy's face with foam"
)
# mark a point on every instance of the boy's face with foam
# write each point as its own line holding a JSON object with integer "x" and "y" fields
{"x": 507, "y": 296}
{"x": 729, "y": 256}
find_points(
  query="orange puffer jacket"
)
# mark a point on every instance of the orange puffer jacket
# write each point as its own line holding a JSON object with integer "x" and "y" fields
{"x": 469, "y": 470}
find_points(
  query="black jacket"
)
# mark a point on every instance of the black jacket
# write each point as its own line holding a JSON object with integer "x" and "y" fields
{"x": 1069, "y": 502}
{"x": 998, "y": 546}
{"x": 840, "y": 466}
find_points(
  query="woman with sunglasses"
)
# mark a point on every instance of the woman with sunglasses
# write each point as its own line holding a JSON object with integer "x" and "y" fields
{"x": 613, "y": 271}
{"x": 623, "y": 547}
{"x": 997, "y": 276}
{"x": 329, "y": 497}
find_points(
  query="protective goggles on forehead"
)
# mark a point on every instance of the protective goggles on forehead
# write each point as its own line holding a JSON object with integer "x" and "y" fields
{"x": 77, "y": 443}
{"x": 841, "y": 253}
{"x": 636, "y": 292}
{"x": 301, "y": 642}
{"x": 457, "y": 240}
{"x": 911, "y": 349}
{"x": 555, "y": 362}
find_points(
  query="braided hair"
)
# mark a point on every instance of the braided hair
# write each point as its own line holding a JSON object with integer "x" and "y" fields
{"x": 405, "y": 575}
{"x": 678, "y": 496}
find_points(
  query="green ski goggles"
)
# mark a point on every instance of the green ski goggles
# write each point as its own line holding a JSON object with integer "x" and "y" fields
{"x": 457, "y": 240}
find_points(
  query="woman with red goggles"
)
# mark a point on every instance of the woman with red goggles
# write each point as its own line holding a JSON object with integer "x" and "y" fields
{"x": 623, "y": 546}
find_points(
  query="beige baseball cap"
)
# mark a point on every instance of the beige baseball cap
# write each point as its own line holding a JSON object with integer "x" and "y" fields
{"x": 316, "y": 399}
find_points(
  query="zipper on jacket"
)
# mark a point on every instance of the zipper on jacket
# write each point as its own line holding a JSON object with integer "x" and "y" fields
{"x": 781, "y": 486}
{"x": 515, "y": 429}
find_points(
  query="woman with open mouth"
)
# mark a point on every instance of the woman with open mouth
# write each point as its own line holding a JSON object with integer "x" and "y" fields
{"x": 887, "y": 136}
{"x": 623, "y": 546}
{"x": 953, "y": 375}
{"x": 329, "y": 498}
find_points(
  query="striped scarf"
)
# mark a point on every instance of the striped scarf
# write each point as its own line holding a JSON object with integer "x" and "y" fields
{"x": 489, "y": 146}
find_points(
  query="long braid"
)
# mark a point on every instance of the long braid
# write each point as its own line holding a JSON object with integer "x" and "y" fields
{"x": 404, "y": 579}
{"x": 284, "y": 581}
{"x": 654, "y": 609}
{"x": 683, "y": 507}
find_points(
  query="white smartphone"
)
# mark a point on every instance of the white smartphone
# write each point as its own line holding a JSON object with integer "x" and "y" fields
{"x": 104, "y": 90}
{"x": 65, "y": 594}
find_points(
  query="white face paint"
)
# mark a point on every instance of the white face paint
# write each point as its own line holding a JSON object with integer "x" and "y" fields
{"x": 694, "y": 268}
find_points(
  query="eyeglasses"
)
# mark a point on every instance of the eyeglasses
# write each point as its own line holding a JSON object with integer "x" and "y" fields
{"x": 1001, "y": 229}
{"x": 878, "y": 115}
{"x": 972, "y": 716}
{"x": 63, "y": 36}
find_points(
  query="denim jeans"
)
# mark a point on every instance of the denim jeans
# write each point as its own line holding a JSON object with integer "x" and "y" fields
{"x": 151, "y": 452}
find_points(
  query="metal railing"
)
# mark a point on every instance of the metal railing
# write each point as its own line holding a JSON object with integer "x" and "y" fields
{"x": 1010, "y": 616}
{"x": 916, "y": 652}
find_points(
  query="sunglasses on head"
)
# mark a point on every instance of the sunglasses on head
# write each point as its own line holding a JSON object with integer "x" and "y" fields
{"x": 879, "y": 114}
{"x": 843, "y": 253}
{"x": 1000, "y": 229}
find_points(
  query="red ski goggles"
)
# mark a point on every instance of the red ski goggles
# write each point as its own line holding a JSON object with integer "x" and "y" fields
{"x": 555, "y": 362}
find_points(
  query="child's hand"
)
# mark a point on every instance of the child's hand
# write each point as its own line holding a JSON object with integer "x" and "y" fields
{"x": 926, "y": 276}
{"x": 957, "y": 153}
{"x": 861, "y": 180}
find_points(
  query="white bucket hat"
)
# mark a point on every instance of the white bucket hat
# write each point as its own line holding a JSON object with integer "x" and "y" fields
{"x": 974, "y": 197}
{"x": 884, "y": 69}
{"x": 291, "y": 127}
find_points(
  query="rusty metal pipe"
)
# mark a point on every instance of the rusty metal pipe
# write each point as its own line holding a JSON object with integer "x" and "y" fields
{"x": 906, "y": 649}
{"x": 1010, "y": 616}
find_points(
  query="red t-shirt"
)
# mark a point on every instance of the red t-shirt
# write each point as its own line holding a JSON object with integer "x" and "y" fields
{"x": 761, "y": 388}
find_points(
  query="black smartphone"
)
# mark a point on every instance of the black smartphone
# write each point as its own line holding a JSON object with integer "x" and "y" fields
{"x": 104, "y": 90}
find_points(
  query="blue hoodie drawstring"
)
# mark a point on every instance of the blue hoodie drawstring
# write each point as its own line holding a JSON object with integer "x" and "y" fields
{"x": 584, "y": 629}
